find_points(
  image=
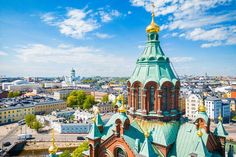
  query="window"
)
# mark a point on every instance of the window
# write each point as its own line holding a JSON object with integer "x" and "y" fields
{"x": 120, "y": 153}
{"x": 152, "y": 98}
{"x": 165, "y": 98}
{"x": 139, "y": 98}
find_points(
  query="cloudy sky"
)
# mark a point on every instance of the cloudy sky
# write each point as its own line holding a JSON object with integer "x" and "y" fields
{"x": 105, "y": 37}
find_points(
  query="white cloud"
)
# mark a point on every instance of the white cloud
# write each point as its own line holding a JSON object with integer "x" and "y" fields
{"x": 2, "y": 53}
{"x": 89, "y": 60}
{"x": 193, "y": 18}
{"x": 77, "y": 23}
{"x": 181, "y": 59}
{"x": 103, "y": 35}
{"x": 141, "y": 46}
{"x": 129, "y": 12}
{"x": 211, "y": 44}
{"x": 210, "y": 35}
{"x": 107, "y": 16}
{"x": 48, "y": 18}
{"x": 215, "y": 37}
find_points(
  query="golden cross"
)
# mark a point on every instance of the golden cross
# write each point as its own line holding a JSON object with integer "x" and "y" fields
{"x": 153, "y": 6}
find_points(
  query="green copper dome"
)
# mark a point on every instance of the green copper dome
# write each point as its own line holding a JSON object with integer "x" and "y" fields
{"x": 153, "y": 65}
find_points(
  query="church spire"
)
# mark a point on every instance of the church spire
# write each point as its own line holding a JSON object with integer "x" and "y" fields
{"x": 153, "y": 27}
{"x": 53, "y": 148}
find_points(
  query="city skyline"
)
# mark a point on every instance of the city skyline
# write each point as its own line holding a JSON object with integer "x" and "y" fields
{"x": 105, "y": 38}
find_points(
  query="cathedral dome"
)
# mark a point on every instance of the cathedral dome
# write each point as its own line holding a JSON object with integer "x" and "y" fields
{"x": 152, "y": 27}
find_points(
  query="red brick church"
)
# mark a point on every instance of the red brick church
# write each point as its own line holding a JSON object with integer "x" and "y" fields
{"x": 153, "y": 125}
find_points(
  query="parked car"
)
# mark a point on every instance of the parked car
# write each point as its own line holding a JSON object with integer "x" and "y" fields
{"x": 80, "y": 138}
{"x": 24, "y": 137}
{"x": 6, "y": 144}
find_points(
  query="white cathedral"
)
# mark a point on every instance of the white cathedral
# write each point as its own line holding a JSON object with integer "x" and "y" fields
{"x": 72, "y": 80}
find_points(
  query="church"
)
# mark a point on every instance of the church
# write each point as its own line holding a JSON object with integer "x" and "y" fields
{"x": 152, "y": 125}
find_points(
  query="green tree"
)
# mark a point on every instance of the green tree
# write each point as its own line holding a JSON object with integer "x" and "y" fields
{"x": 105, "y": 98}
{"x": 78, "y": 151}
{"x": 66, "y": 153}
{"x": 89, "y": 102}
{"x": 81, "y": 98}
{"x": 16, "y": 93}
{"x": 10, "y": 94}
{"x": 71, "y": 101}
{"x": 29, "y": 119}
{"x": 37, "y": 125}
{"x": 76, "y": 98}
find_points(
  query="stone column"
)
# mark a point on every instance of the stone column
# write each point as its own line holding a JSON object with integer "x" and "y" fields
{"x": 129, "y": 98}
{"x": 133, "y": 98}
{"x": 159, "y": 101}
{"x": 173, "y": 99}
{"x": 144, "y": 101}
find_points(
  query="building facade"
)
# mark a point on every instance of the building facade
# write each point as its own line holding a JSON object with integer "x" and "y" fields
{"x": 213, "y": 107}
{"x": 15, "y": 109}
{"x": 49, "y": 106}
{"x": 192, "y": 104}
{"x": 15, "y": 113}
{"x": 154, "y": 126}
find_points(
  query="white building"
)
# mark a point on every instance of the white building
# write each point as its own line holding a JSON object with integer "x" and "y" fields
{"x": 19, "y": 85}
{"x": 71, "y": 80}
{"x": 61, "y": 94}
{"x": 111, "y": 97}
{"x": 52, "y": 85}
{"x": 192, "y": 103}
{"x": 71, "y": 128}
{"x": 82, "y": 116}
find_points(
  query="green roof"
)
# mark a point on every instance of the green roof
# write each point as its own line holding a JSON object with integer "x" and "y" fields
{"x": 94, "y": 132}
{"x": 201, "y": 149}
{"x": 187, "y": 140}
{"x": 165, "y": 134}
{"x": 134, "y": 132}
{"x": 220, "y": 130}
{"x": 110, "y": 125}
{"x": 99, "y": 121}
{"x": 202, "y": 115}
{"x": 153, "y": 65}
{"x": 147, "y": 149}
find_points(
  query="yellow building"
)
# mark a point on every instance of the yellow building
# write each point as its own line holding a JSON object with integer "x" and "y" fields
{"x": 15, "y": 113}
{"x": 49, "y": 106}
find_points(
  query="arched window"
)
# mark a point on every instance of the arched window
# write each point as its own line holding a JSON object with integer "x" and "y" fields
{"x": 120, "y": 153}
{"x": 152, "y": 98}
{"x": 165, "y": 98}
{"x": 139, "y": 98}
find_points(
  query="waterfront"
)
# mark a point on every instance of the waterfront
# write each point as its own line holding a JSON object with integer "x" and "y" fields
{"x": 41, "y": 153}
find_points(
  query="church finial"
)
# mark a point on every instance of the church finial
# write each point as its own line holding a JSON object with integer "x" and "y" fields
{"x": 220, "y": 117}
{"x": 201, "y": 107}
{"x": 53, "y": 148}
{"x": 153, "y": 27}
{"x": 122, "y": 109}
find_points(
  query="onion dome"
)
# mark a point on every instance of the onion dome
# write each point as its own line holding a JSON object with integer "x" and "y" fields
{"x": 199, "y": 133}
{"x": 201, "y": 107}
{"x": 152, "y": 27}
{"x": 220, "y": 118}
{"x": 146, "y": 134}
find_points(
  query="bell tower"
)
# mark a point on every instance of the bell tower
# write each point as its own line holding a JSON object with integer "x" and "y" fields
{"x": 153, "y": 88}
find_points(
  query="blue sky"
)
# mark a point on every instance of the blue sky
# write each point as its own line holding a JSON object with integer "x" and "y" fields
{"x": 105, "y": 37}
